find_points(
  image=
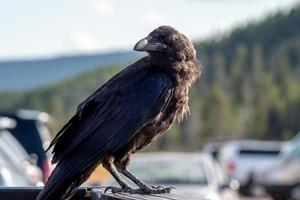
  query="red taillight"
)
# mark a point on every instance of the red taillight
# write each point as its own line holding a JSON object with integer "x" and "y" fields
{"x": 231, "y": 166}
{"x": 47, "y": 169}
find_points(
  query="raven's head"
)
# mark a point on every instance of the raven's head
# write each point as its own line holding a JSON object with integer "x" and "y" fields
{"x": 167, "y": 42}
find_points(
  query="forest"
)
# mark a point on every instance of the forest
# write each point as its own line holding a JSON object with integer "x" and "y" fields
{"x": 249, "y": 88}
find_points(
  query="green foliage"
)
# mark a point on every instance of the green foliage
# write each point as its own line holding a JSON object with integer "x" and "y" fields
{"x": 249, "y": 87}
{"x": 257, "y": 94}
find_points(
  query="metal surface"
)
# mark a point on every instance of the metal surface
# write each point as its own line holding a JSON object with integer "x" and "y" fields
{"x": 30, "y": 193}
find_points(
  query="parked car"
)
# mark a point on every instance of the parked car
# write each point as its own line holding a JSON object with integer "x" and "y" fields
{"x": 32, "y": 132}
{"x": 8, "y": 175}
{"x": 195, "y": 176}
{"x": 17, "y": 168}
{"x": 282, "y": 181}
{"x": 242, "y": 160}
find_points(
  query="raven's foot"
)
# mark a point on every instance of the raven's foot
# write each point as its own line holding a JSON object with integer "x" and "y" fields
{"x": 152, "y": 190}
{"x": 118, "y": 190}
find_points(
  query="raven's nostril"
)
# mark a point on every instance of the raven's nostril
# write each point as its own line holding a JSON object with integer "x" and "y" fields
{"x": 140, "y": 45}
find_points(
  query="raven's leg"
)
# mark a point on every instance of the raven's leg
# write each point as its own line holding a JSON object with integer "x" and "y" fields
{"x": 144, "y": 188}
{"x": 107, "y": 164}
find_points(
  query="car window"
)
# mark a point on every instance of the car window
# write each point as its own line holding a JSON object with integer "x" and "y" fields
{"x": 170, "y": 172}
{"x": 257, "y": 152}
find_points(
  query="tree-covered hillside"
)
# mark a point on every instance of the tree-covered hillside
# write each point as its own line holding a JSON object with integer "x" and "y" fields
{"x": 252, "y": 79}
{"x": 49, "y": 71}
{"x": 250, "y": 87}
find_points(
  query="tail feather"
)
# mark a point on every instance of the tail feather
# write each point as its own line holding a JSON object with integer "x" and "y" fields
{"x": 62, "y": 130}
{"x": 65, "y": 180}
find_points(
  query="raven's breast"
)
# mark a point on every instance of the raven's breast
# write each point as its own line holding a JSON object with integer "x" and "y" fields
{"x": 152, "y": 131}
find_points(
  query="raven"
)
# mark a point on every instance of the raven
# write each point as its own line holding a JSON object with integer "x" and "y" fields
{"x": 125, "y": 115}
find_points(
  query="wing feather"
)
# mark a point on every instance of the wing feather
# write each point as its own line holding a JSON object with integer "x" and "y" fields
{"x": 116, "y": 120}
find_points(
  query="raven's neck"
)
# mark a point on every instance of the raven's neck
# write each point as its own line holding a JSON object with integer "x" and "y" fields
{"x": 156, "y": 58}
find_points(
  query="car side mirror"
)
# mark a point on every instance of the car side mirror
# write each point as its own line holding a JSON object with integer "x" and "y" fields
{"x": 33, "y": 159}
{"x": 223, "y": 186}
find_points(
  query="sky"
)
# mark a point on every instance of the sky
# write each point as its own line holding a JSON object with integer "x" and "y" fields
{"x": 36, "y": 29}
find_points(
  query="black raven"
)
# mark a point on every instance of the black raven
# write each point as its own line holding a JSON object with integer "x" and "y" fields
{"x": 125, "y": 115}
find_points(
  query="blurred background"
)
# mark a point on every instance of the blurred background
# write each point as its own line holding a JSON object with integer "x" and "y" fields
{"x": 241, "y": 137}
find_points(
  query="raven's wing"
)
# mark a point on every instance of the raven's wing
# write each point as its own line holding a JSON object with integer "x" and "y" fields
{"x": 110, "y": 122}
{"x": 120, "y": 80}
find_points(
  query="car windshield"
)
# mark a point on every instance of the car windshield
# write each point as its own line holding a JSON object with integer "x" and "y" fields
{"x": 295, "y": 153}
{"x": 11, "y": 146}
{"x": 291, "y": 151}
{"x": 170, "y": 172}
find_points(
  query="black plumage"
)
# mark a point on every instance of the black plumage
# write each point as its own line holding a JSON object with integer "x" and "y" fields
{"x": 125, "y": 115}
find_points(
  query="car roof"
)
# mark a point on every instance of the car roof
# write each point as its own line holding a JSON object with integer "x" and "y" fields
{"x": 28, "y": 115}
{"x": 254, "y": 144}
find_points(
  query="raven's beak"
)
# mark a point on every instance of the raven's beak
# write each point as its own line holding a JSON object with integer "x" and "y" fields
{"x": 147, "y": 44}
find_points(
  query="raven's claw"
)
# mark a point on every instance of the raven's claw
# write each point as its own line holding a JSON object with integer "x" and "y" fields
{"x": 147, "y": 190}
{"x": 152, "y": 190}
{"x": 163, "y": 187}
{"x": 117, "y": 189}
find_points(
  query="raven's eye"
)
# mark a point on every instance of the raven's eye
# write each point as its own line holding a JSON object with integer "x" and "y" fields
{"x": 169, "y": 40}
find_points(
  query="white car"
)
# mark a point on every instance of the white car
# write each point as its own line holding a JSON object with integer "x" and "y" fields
{"x": 242, "y": 160}
{"x": 15, "y": 163}
{"x": 194, "y": 175}
{"x": 282, "y": 181}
